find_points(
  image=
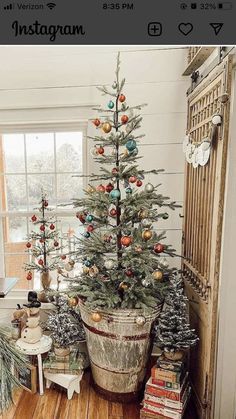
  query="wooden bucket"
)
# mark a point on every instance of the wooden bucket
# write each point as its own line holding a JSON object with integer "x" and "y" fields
{"x": 119, "y": 349}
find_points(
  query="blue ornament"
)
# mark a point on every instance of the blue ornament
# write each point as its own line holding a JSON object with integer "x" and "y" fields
{"x": 128, "y": 190}
{"x": 87, "y": 234}
{"x": 88, "y": 263}
{"x": 131, "y": 145}
{"x": 134, "y": 152}
{"x": 89, "y": 218}
{"x": 111, "y": 105}
{"x": 115, "y": 194}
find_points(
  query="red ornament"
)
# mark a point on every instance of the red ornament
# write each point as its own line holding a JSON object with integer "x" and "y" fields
{"x": 45, "y": 203}
{"x": 122, "y": 98}
{"x": 109, "y": 187}
{"x": 34, "y": 218}
{"x": 129, "y": 273}
{"x": 52, "y": 227}
{"x": 159, "y": 248}
{"x": 100, "y": 150}
{"x": 139, "y": 183}
{"x": 132, "y": 179}
{"x": 42, "y": 227}
{"x": 113, "y": 212}
{"x": 126, "y": 241}
{"x": 40, "y": 262}
{"x": 41, "y": 240}
{"x": 56, "y": 244}
{"x": 81, "y": 217}
{"x": 101, "y": 188}
{"x": 28, "y": 245}
{"x": 96, "y": 122}
{"x": 115, "y": 171}
{"x": 29, "y": 276}
{"x": 90, "y": 228}
{"x": 124, "y": 119}
{"x": 63, "y": 257}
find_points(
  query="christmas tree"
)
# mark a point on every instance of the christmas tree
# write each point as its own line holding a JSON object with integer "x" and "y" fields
{"x": 173, "y": 332}
{"x": 9, "y": 356}
{"x": 122, "y": 254}
{"x": 64, "y": 324}
{"x": 42, "y": 245}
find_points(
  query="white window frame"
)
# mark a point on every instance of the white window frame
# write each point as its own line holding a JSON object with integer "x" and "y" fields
{"x": 19, "y": 296}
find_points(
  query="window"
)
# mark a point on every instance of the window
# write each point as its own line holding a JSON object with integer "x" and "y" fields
{"x": 28, "y": 163}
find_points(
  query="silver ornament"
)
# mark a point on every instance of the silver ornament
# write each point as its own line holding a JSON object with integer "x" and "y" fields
{"x": 109, "y": 264}
{"x": 216, "y": 120}
{"x": 140, "y": 320}
{"x": 114, "y": 86}
{"x": 164, "y": 263}
{"x": 145, "y": 283}
{"x": 149, "y": 188}
{"x": 146, "y": 223}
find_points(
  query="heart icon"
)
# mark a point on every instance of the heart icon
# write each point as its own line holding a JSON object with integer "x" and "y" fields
{"x": 185, "y": 28}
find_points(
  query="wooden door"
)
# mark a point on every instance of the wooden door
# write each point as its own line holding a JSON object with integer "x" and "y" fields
{"x": 202, "y": 229}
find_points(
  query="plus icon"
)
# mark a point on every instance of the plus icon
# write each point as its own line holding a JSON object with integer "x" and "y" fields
{"x": 154, "y": 29}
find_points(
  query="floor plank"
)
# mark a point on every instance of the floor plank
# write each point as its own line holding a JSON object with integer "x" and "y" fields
{"x": 86, "y": 405}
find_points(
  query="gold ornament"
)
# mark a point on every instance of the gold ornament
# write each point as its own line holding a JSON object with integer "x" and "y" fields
{"x": 147, "y": 235}
{"x": 73, "y": 302}
{"x": 143, "y": 214}
{"x": 96, "y": 317}
{"x": 106, "y": 127}
{"x": 93, "y": 271}
{"x": 123, "y": 286}
{"x": 85, "y": 270}
{"x": 157, "y": 275}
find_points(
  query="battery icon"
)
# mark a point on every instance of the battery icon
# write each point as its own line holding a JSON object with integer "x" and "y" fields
{"x": 225, "y": 6}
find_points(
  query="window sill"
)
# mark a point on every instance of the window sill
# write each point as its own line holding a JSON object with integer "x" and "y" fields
{"x": 15, "y": 297}
{"x": 6, "y": 285}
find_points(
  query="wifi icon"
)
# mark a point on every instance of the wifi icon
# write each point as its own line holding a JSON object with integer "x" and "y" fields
{"x": 51, "y": 5}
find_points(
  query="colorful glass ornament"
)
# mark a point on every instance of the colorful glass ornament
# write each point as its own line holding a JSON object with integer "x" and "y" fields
{"x": 115, "y": 171}
{"x": 28, "y": 245}
{"x": 126, "y": 241}
{"x": 149, "y": 188}
{"x": 97, "y": 122}
{"x": 63, "y": 257}
{"x": 52, "y": 227}
{"x": 109, "y": 187}
{"x": 29, "y": 276}
{"x": 96, "y": 317}
{"x": 147, "y": 235}
{"x": 128, "y": 191}
{"x": 159, "y": 248}
{"x": 132, "y": 179}
{"x": 56, "y": 244}
{"x": 73, "y": 302}
{"x": 88, "y": 263}
{"x": 100, "y": 150}
{"x": 89, "y": 218}
{"x": 122, "y": 98}
{"x": 129, "y": 273}
{"x": 106, "y": 127}
{"x": 140, "y": 320}
{"x": 131, "y": 145}
{"x": 139, "y": 183}
{"x": 124, "y": 119}
{"x": 90, "y": 228}
{"x": 110, "y": 104}
{"x": 101, "y": 188}
{"x": 165, "y": 216}
{"x": 134, "y": 152}
{"x": 34, "y": 218}
{"x": 123, "y": 286}
{"x": 40, "y": 262}
{"x": 115, "y": 194}
{"x": 42, "y": 228}
{"x": 157, "y": 275}
{"x": 113, "y": 212}
{"x": 45, "y": 203}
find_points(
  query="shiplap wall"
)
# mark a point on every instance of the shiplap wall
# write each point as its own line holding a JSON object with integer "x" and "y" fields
{"x": 58, "y": 84}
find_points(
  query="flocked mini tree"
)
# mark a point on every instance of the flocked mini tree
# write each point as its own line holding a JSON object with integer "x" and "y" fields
{"x": 42, "y": 244}
{"x": 122, "y": 254}
{"x": 173, "y": 332}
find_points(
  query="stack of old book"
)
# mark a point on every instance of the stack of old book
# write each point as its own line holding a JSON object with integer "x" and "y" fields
{"x": 167, "y": 391}
{"x": 71, "y": 364}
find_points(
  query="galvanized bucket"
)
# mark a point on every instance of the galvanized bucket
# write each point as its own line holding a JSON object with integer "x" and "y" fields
{"x": 119, "y": 348}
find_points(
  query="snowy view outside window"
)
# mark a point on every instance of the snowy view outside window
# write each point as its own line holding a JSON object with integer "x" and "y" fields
{"x": 28, "y": 163}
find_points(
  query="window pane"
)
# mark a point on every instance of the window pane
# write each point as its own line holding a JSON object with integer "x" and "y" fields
{"x": 13, "y": 153}
{"x": 40, "y": 152}
{"x": 15, "y": 193}
{"x": 14, "y": 233}
{"x": 69, "y": 151}
{"x": 35, "y": 185}
{"x": 68, "y": 187}
{"x": 14, "y": 268}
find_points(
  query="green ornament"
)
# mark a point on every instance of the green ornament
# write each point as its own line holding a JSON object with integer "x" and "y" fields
{"x": 111, "y": 105}
{"x": 87, "y": 234}
{"x": 130, "y": 145}
{"x": 89, "y": 218}
{"x": 128, "y": 190}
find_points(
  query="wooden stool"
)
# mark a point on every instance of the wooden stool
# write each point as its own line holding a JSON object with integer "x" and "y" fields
{"x": 68, "y": 381}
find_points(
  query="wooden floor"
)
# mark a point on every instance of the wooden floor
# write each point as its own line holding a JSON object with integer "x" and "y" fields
{"x": 87, "y": 405}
